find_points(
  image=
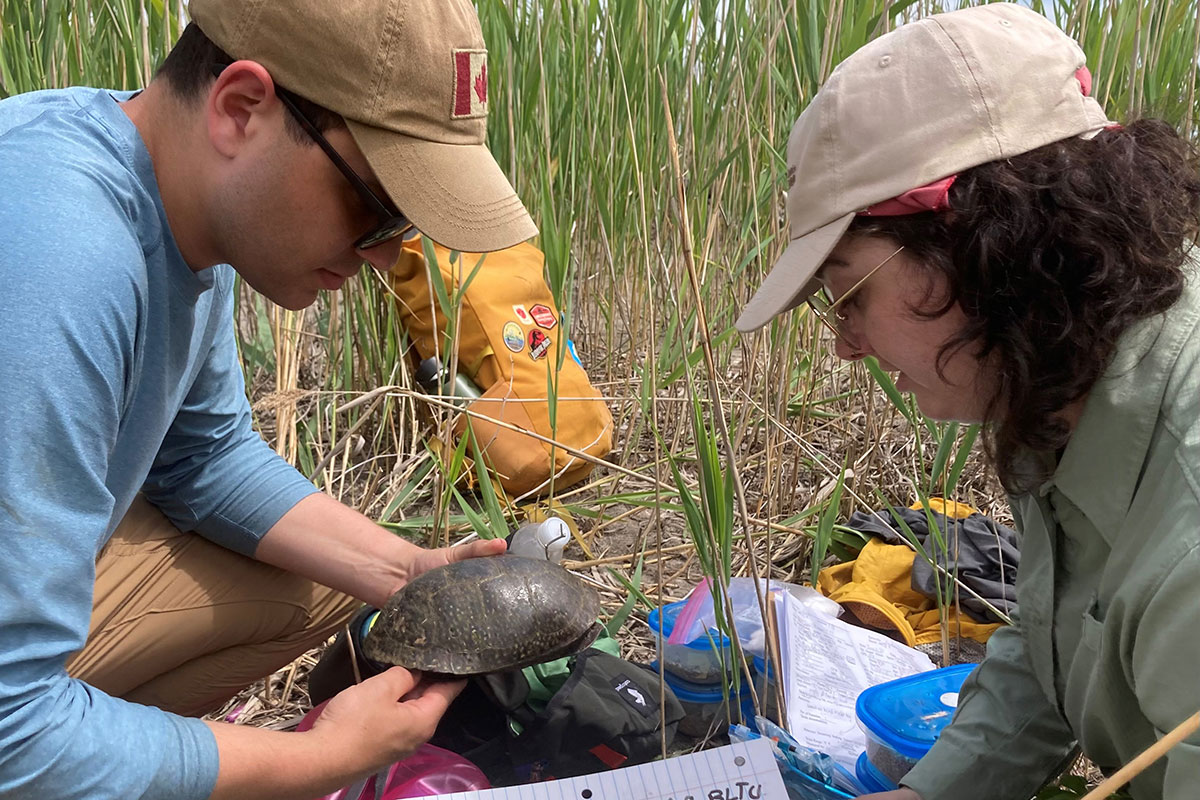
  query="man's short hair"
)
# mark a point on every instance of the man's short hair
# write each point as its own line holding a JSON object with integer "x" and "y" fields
{"x": 188, "y": 71}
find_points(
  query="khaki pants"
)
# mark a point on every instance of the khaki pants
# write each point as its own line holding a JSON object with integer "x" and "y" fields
{"x": 183, "y": 624}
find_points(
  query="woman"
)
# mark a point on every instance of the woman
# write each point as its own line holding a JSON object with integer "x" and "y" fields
{"x": 962, "y": 210}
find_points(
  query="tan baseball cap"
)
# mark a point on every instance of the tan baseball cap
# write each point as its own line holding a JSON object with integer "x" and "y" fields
{"x": 410, "y": 77}
{"x": 918, "y": 104}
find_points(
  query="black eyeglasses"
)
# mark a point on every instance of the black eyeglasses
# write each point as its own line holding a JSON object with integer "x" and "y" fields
{"x": 392, "y": 222}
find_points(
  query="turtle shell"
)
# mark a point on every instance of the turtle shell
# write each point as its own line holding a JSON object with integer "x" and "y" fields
{"x": 485, "y": 615}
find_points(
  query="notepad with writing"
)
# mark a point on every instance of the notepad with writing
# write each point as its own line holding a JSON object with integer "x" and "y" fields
{"x": 742, "y": 771}
{"x": 828, "y": 663}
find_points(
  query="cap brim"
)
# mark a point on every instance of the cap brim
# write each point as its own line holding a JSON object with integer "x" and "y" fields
{"x": 454, "y": 193}
{"x": 792, "y": 280}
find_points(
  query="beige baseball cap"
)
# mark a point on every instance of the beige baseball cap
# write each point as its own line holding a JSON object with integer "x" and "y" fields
{"x": 918, "y": 104}
{"x": 410, "y": 77}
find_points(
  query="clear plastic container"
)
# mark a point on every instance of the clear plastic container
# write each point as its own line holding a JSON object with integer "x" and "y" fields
{"x": 903, "y": 718}
{"x": 705, "y": 710}
{"x": 697, "y": 661}
{"x": 693, "y": 647}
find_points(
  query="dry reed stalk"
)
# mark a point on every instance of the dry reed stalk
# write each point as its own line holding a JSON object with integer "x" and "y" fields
{"x": 286, "y": 332}
{"x": 714, "y": 393}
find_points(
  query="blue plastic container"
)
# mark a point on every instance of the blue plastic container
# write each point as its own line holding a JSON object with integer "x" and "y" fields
{"x": 764, "y": 684}
{"x": 704, "y": 708}
{"x": 763, "y": 668}
{"x": 903, "y": 718}
{"x": 872, "y": 779}
{"x": 697, "y": 661}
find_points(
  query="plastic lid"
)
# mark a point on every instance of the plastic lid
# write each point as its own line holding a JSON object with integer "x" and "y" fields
{"x": 669, "y": 613}
{"x": 872, "y": 779}
{"x": 908, "y": 714}
{"x": 692, "y": 692}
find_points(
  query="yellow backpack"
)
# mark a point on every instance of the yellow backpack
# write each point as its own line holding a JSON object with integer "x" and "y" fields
{"x": 510, "y": 340}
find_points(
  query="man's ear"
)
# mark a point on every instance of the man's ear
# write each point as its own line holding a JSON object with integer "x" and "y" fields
{"x": 239, "y": 102}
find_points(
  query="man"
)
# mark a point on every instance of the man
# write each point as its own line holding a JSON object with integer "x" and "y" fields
{"x": 293, "y": 142}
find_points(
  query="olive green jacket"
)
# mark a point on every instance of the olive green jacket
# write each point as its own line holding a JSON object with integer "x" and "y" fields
{"x": 1106, "y": 650}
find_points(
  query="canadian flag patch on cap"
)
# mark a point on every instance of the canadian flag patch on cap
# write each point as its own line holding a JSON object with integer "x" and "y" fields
{"x": 470, "y": 84}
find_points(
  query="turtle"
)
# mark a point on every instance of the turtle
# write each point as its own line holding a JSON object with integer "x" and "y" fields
{"x": 485, "y": 615}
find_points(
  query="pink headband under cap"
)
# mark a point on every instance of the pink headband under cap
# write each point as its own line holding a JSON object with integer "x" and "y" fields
{"x": 935, "y": 196}
{"x": 930, "y": 197}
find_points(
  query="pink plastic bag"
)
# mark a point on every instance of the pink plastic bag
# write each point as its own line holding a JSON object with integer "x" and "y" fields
{"x": 430, "y": 770}
{"x": 685, "y": 624}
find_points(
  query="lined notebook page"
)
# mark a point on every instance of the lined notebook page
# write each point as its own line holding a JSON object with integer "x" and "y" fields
{"x": 743, "y": 771}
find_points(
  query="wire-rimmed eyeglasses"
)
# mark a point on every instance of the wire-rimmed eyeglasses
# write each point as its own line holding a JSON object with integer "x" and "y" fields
{"x": 826, "y": 309}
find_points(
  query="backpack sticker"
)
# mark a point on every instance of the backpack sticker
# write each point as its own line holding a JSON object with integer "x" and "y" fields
{"x": 543, "y": 316}
{"x": 539, "y": 344}
{"x": 514, "y": 337}
{"x": 522, "y": 315}
{"x": 633, "y": 694}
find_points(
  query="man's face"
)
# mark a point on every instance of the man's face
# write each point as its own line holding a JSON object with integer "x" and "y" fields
{"x": 289, "y": 218}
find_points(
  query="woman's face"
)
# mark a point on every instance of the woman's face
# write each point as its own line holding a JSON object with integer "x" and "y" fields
{"x": 881, "y": 320}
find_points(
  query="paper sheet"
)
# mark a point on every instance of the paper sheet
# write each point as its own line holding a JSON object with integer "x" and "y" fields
{"x": 827, "y": 663}
{"x": 744, "y": 771}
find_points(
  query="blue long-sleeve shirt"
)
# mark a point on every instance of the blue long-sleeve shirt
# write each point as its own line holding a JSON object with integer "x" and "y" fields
{"x": 118, "y": 374}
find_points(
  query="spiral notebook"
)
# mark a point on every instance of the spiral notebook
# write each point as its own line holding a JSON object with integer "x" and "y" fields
{"x": 743, "y": 771}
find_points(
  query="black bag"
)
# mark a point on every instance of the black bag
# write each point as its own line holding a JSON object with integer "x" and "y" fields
{"x": 605, "y": 716}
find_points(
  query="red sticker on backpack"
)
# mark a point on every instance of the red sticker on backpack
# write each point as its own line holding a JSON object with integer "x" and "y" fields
{"x": 539, "y": 344}
{"x": 543, "y": 316}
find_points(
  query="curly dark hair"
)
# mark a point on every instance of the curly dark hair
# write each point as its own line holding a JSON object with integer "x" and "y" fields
{"x": 1052, "y": 255}
{"x": 187, "y": 70}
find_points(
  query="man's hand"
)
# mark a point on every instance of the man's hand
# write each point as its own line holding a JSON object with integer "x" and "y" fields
{"x": 363, "y": 729}
{"x": 425, "y": 560}
{"x": 335, "y": 545}
{"x": 386, "y": 717}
